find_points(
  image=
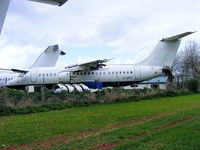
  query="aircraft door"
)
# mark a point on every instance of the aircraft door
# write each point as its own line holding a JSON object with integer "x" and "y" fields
{"x": 33, "y": 76}
{"x": 6, "y": 80}
{"x": 117, "y": 76}
{"x": 137, "y": 73}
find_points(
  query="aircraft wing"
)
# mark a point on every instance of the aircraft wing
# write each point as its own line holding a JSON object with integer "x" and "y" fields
{"x": 92, "y": 65}
{"x": 15, "y": 70}
{"x": 19, "y": 71}
{"x": 52, "y": 2}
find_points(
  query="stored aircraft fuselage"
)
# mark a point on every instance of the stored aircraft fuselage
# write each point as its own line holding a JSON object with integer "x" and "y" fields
{"x": 110, "y": 75}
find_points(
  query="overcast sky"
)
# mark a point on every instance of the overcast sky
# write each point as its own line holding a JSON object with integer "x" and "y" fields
{"x": 126, "y": 30}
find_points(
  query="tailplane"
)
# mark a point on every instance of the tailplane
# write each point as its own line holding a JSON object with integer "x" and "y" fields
{"x": 165, "y": 52}
{"x": 49, "y": 57}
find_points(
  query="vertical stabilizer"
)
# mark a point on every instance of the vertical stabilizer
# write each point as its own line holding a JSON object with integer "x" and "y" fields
{"x": 165, "y": 52}
{"x": 5, "y": 3}
{"x": 49, "y": 57}
{"x": 3, "y": 10}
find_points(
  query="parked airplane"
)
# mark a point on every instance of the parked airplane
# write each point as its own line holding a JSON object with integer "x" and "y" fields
{"x": 5, "y": 3}
{"x": 48, "y": 58}
{"x": 158, "y": 63}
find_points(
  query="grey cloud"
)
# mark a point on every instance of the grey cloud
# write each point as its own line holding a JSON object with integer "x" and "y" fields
{"x": 129, "y": 25}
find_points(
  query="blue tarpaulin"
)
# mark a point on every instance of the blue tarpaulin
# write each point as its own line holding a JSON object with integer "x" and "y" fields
{"x": 94, "y": 85}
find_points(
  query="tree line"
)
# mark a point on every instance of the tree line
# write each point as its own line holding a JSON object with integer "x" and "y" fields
{"x": 186, "y": 66}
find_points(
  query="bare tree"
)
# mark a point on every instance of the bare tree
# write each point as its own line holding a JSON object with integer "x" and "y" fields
{"x": 187, "y": 61}
{"x": 191, "y": 59}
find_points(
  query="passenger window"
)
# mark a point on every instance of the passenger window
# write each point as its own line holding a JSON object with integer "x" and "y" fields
{"x": 127, "y": 72}
{"x": 54, "y": 74}
{"x": 92, "y": 72}
{"x": 113, "y": 72}
{"x": 104, "y": 73}
{"x": 124, "y": 72}
{"x": 131, "y": 72}
{"x": 108, "y": 72}
{"x": 88, "y": 73}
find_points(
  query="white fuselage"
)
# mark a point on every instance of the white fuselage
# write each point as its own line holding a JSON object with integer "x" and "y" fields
{"x": 6, "y": 77}
{"x": 107, "y": 74}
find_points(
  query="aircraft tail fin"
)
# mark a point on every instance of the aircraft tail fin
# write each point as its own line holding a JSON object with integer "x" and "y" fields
{"x": 165, "y": 52}
{"x": 3, "y": 10}
{"x": 49, "y": 57}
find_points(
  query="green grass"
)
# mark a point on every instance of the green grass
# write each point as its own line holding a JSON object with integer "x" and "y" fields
{"x": 125, "y": 134}
{"x": 15, "y": 130}
{"x": 182, "y": 137}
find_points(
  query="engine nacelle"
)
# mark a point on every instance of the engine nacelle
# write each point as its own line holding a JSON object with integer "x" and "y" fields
{"x": 78, "y": 87}
{"x": 64, "y": 77}
{"x": 59, "y": 88}
{"x": 84, "y": 87}
{"x": 69, "y": 88}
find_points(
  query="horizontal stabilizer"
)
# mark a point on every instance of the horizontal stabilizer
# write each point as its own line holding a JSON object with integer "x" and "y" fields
{"x": 176, "y": 37}
{"x": 52, "y": 2}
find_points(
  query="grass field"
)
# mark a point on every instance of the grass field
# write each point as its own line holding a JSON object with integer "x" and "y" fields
{"x": 166, "y": 123}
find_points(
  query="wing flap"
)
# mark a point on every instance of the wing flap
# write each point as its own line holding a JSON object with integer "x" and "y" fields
{"x": 92, "y": 65}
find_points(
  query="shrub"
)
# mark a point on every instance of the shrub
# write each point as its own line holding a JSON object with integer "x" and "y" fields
{"x": 192, "y": 85}
{"x": 20, "y": 102}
